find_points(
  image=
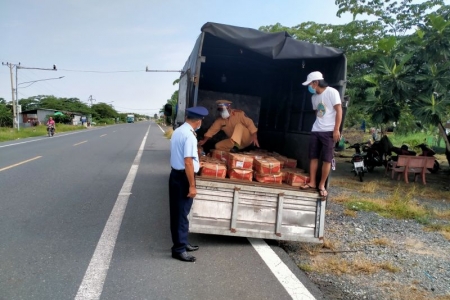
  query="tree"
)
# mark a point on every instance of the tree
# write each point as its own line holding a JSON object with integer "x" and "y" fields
{"x": 397, "y": 16}
{"x": 172, "y": 101}
{"x": 103, "y": 111}
{"x": 29, "y": 103}
{"x": 6, "y": 114}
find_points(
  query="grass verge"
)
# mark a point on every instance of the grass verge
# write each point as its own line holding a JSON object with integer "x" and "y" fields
{"x": 359, "y": 265}
{"x": 10, "y": 134}
{"x": 168, "y": 133}
{"x": 399, "y": 205}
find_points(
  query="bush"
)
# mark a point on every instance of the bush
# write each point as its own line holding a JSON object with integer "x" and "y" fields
{"x": 104, "y": 121}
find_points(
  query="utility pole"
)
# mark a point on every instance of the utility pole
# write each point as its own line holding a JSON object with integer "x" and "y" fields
{"x": 90, "y": 105}
{"x": 17, "y": 97}
{"x": 11, "y": 66}
{"x": 91, "y": 100}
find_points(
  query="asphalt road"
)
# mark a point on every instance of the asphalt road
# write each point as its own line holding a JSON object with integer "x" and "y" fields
{"x": 56, "y": 197}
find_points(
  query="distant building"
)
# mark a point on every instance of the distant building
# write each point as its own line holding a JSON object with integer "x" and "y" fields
{"x": 39, "y": 116}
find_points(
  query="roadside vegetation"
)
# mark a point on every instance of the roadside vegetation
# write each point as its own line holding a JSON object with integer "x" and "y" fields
{"x": 8, "y": 134}
{"x": 98, "y": 114}
{"x": 395, "y": 201}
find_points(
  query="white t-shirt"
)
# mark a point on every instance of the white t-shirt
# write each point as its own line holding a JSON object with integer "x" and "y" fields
{"x": 326, "y": 114}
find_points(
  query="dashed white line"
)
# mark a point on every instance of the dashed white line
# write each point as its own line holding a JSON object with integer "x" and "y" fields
{"x": 285, "y": 276}
{"x": 20, "y": 163}
{"x": 92, "y": 285}
{"x": 79, "y": 143}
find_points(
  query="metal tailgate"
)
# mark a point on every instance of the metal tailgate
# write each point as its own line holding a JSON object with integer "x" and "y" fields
{"x": 270, "y": 211}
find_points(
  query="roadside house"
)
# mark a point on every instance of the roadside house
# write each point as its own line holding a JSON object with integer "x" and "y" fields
{"x": 39, "y": 116}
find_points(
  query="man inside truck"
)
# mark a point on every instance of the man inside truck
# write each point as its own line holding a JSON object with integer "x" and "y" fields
{"x": 240, "y": 129}
{"x": 326, "y": 103}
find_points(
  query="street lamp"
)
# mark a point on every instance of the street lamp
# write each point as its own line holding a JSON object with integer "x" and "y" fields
{"x": 30, "y": 83}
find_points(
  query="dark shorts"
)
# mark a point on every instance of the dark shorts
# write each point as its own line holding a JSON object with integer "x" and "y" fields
{"x": 321, "y": 145}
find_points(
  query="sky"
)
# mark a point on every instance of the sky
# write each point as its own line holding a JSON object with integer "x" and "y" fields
{"x": 118, "y": 35}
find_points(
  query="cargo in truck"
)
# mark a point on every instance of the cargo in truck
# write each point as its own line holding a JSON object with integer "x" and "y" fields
{"x": 262, "y": 74}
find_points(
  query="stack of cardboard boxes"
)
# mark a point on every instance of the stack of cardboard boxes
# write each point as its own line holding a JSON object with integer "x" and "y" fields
{"x": 261, "y": 166}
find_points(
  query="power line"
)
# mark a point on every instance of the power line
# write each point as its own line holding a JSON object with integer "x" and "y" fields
{"x": 91, "y": 71}
{"x": 136, "y": 108}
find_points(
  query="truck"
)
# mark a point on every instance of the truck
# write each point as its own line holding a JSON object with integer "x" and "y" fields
{"x": 130, "y": 118}
{"x": 261, "y": 73}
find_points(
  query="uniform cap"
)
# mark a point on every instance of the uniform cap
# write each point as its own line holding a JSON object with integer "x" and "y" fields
{"x": 223, "y": 102}
{"x": 196, "y": 112}
{"x": 312, "y": 77}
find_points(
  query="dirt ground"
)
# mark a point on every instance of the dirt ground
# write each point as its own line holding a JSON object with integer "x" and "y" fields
{"x": 441, "y": 180}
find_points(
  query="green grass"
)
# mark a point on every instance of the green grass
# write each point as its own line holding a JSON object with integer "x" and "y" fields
{"x": 305, "y": 267}
{"x": 397, "y": 205}
{"x": 415, "y": 139}
{"x": 9, "y": 134}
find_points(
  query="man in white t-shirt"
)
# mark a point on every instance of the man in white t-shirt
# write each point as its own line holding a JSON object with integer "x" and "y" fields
{"x": 326, "y": 102}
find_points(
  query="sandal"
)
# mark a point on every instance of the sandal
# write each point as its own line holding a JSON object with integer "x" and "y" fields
{"x": 307, "y": 187}
{"x": 323, "y": 193}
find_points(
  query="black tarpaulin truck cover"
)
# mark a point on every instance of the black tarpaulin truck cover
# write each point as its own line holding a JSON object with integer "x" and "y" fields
{"x": 279, "y": 45}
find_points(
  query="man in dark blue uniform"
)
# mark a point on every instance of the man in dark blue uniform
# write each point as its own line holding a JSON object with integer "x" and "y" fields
{"x": 185, "y": 163}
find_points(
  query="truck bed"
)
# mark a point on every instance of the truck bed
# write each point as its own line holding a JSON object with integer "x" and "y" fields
{"x": 258, "y": 210}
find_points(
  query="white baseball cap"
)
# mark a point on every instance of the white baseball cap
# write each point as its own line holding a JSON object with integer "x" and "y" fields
{"x": 313, "y": 76}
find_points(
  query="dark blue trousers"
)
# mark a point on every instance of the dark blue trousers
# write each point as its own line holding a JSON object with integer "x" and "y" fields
{"x": 180, "y": 205}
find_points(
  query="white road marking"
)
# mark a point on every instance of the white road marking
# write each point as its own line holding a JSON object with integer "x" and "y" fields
{"x": 161, "y": 128}
{"x": 80, "y": 143}
{"x": 285, "y": 276}
{"x": 92, "y": 285}
{"x": 21, "y": 163}
{"x": 103, "y": 135}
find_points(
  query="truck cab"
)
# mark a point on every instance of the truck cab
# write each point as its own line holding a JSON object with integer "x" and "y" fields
{"x": 130, "y": 118}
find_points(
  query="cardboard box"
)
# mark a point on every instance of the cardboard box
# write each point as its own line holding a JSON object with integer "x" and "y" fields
{"x": 285, "y": 172}
{"x": 267, "y": 165}
{"x": 241, "y": 174}
{"x": 240, "y": 161}
{"x": 285, "y": 161}
{"x": 282, "y": 159}
{"x": 297, "y": 178}
{"x": 290, "y": 163}
{"x": 268, "y": 178}
{"x": 213, "y": 169}
{"x": 220, "y": 155}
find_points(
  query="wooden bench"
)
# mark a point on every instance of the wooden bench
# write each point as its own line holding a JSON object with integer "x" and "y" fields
{"x": 418, "y": 165}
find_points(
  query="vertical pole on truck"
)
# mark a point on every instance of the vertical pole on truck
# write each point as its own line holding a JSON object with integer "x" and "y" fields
{"x": 200, "y": 59}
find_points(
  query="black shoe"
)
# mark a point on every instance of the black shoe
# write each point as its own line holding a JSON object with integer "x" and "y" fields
{"x": 190, "y": 248}
{"x": 235, "y": 149}
{"x": 184, "y": 257}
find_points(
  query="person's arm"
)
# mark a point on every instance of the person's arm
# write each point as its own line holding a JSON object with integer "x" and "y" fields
{"x": 337, "y": 123}
{"x": 189, "y": 169}
{"x": 213, "y": 130}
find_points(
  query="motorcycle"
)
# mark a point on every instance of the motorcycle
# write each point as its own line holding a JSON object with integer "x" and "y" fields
{"x": 427, "y": 151}
{"x": 377, "y": 154}
{"x": 358, "y": 160}
{"x": 50, "y": 130}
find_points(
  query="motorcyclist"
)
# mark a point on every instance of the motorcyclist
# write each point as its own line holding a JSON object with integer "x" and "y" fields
{"x": 51, "y": 124}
